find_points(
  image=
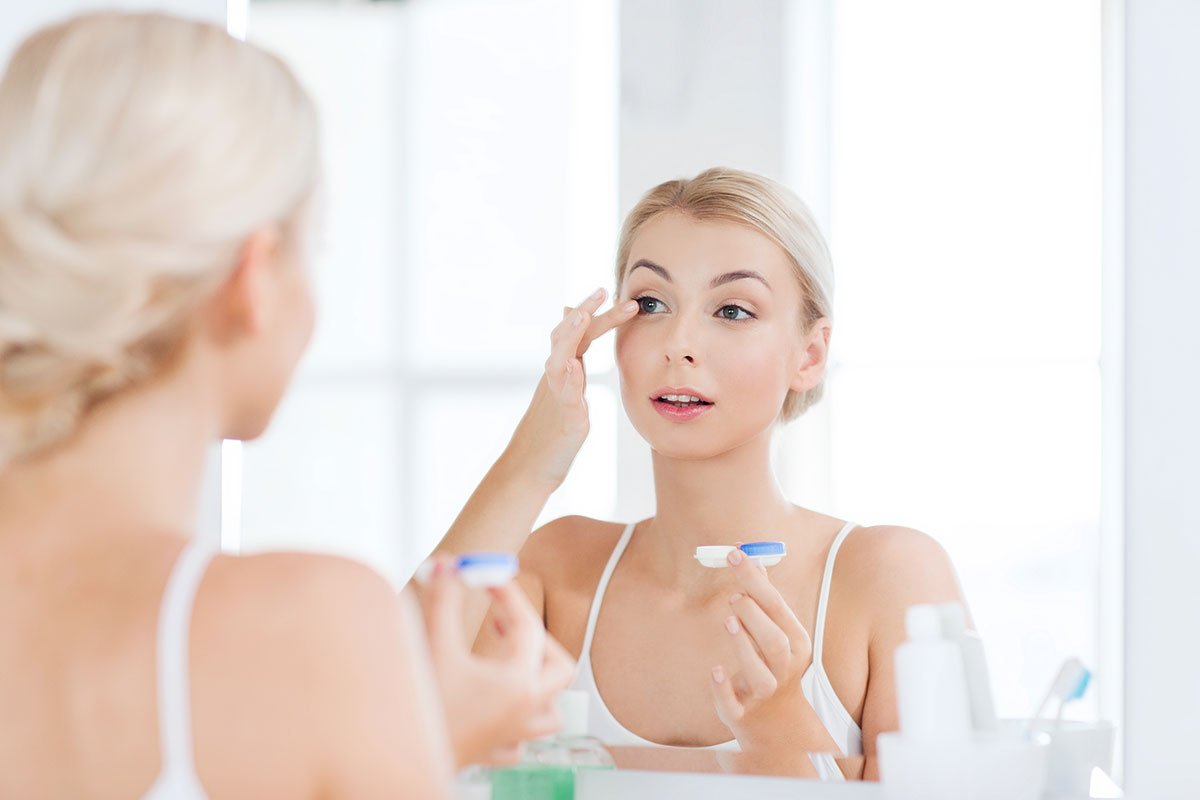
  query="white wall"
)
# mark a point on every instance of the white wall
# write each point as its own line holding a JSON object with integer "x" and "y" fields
{"x": 1162, "y": 427}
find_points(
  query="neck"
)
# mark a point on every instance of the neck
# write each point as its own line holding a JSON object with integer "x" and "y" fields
{"x": 729, "y": 498}
{"x": 133, "y": 467}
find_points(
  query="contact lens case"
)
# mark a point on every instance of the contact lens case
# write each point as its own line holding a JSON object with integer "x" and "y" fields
{"x": 486, "y": 570}
{"x": 765, "y": 554}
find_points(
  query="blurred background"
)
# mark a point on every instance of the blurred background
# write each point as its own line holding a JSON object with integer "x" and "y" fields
{"x": 479, "y": 156}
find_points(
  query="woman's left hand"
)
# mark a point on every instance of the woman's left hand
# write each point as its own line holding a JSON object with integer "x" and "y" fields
{"x": 759, "y": 695}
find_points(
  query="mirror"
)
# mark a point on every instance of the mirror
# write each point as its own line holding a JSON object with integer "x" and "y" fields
{"x": 480, "y": 156}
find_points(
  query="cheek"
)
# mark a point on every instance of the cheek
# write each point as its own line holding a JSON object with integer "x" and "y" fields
{"x": 303, "y": 304}
{"x": 310, "y": 314}
{"x": 636, "y": 364}
{"x": 756, "y": 370}
{"x": 630, "y": 346}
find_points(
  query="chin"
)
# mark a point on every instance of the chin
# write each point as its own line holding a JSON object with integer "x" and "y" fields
{"x": 251, "y": 424}
{"x": 690, "y": 445}
{"x": 685, "y": 453}
{"x": 708, "y": 437}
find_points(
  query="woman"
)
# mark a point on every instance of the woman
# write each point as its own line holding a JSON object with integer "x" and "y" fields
{"x": 723, "y": 317}
{"x": 156, "y": 183}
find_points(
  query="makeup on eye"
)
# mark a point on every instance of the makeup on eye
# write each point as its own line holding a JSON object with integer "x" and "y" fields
{"x": 737, "y": 310}
{"x": 649, "y": 305}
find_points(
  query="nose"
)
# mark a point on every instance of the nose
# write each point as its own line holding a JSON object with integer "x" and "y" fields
{"x": 680, "y": 344}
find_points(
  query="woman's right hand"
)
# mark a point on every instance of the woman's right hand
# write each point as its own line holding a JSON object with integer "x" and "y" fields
{"x": 556, "y": 422}
{"x": 493, "y": 702}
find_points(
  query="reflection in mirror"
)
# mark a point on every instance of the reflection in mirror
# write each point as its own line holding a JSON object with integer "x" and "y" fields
{"x": 664, "y": 759}
{"x": 479, "y": 157}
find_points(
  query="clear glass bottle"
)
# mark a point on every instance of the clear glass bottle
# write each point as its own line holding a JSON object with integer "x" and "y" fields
{"x": 548, "y": 769}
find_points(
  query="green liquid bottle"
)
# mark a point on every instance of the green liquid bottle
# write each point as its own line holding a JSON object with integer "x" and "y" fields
{"x": 547, "y": 772}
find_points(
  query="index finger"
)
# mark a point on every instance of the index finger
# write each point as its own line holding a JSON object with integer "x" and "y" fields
{"x": 557, "y": 665}
{"x": 601, "y": 324}
{"x": 520, "y": 623}
{"x": 759, "y": 587}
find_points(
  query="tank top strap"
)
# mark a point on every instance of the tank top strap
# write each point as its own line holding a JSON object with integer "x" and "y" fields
{"x": 601, "y": 588}
{"x": 823, "y": 601}
{"x": 174, "y": 626}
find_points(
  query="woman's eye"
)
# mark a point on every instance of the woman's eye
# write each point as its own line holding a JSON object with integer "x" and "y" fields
{"x": 648, "y": 305}
{"x": 734, "y": 313}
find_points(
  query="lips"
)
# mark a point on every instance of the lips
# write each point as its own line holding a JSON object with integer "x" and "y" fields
{"x": 685, "y": 395}
{"x": 680, "y": 404}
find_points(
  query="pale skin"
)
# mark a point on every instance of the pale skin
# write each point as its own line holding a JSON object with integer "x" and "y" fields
{"x": 308, "y": 678}
{"x": 722, "y": 654}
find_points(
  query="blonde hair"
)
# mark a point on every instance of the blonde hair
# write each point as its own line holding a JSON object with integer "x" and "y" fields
{"x": 743, "y": 198}
{"x": 138, "y": 153}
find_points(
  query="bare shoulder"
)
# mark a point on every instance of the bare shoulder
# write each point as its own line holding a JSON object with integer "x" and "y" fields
{"x": 297, "y": 601}
{"x": 564, "y": 560}
{"x": 299, "y": 584}
{"x": 893, "y": 551}
{"x": 306, "y": 619}
{"x": 291, "y": 619}
{"x": 894, "y": 567}
{"x": 891, "y": 569}
{"x": 570, "y": 547}
{"x": 320, "y": 644}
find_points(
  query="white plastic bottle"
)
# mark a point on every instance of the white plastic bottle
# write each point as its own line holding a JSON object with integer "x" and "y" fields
{"x": 931, "y": 688}
{"x": 979, "y": 685}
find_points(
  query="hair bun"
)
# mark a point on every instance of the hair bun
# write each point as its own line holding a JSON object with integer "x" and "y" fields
{"x": 119, "y": 210}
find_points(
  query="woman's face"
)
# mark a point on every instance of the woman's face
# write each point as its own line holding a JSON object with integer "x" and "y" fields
{"x": 719, "y": 320}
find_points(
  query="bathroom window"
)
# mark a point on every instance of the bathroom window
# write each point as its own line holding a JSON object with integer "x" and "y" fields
{"x": 965, "y": 397}
{"x": 469, "y": 153}
{"x": 471, "y": 161}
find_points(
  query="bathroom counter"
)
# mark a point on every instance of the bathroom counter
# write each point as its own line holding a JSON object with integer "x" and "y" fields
{"x": 630, "y": 784}
{"x": 654, "y": 773}
{"x": 697, "y": 774}
{"x": 637, "y": 784}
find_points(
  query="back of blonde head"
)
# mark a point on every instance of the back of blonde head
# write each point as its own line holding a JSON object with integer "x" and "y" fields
{"x": 138, "y": 152}
{"x": 743, "y": 198}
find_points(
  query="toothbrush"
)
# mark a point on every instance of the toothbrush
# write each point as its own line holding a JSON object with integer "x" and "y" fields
{"x": 1070, "y": 684}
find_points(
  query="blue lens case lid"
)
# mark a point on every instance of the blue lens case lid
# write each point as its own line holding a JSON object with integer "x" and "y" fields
{"x": 764, "y": 549}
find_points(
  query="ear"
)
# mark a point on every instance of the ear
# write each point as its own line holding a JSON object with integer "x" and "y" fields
{"x": 242, "y": 305}
{"x": 813, "y": 357}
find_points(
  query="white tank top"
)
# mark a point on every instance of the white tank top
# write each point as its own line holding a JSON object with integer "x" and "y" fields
{"x": 177, "y": 776}
{"x": 814, "y": 683}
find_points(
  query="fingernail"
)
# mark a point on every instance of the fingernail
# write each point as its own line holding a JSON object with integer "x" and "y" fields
{"x": 731, "y": 624}
{"x": 735, "y": 597}
{"x": 735, "y": 557}
{"x": 577, "y": 320}
{"x": 718, "y": 675}
{"x": 596, "y": 295}
{"x": 441, "y": 569}
{"x": 570, "y": 369}
{"x": 630, "y": 306}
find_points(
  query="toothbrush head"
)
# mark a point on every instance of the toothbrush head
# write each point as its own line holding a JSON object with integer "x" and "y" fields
{"x": 1085, "y": 676}
{"x": 1072, "y": 680}
{"x": 1070, "y": 684}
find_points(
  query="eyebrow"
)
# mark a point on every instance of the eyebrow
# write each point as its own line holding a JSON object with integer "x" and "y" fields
{"x": 650, "y": 265}
{"x": 740, "y": 274}
{"x": 720, "y": 280}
